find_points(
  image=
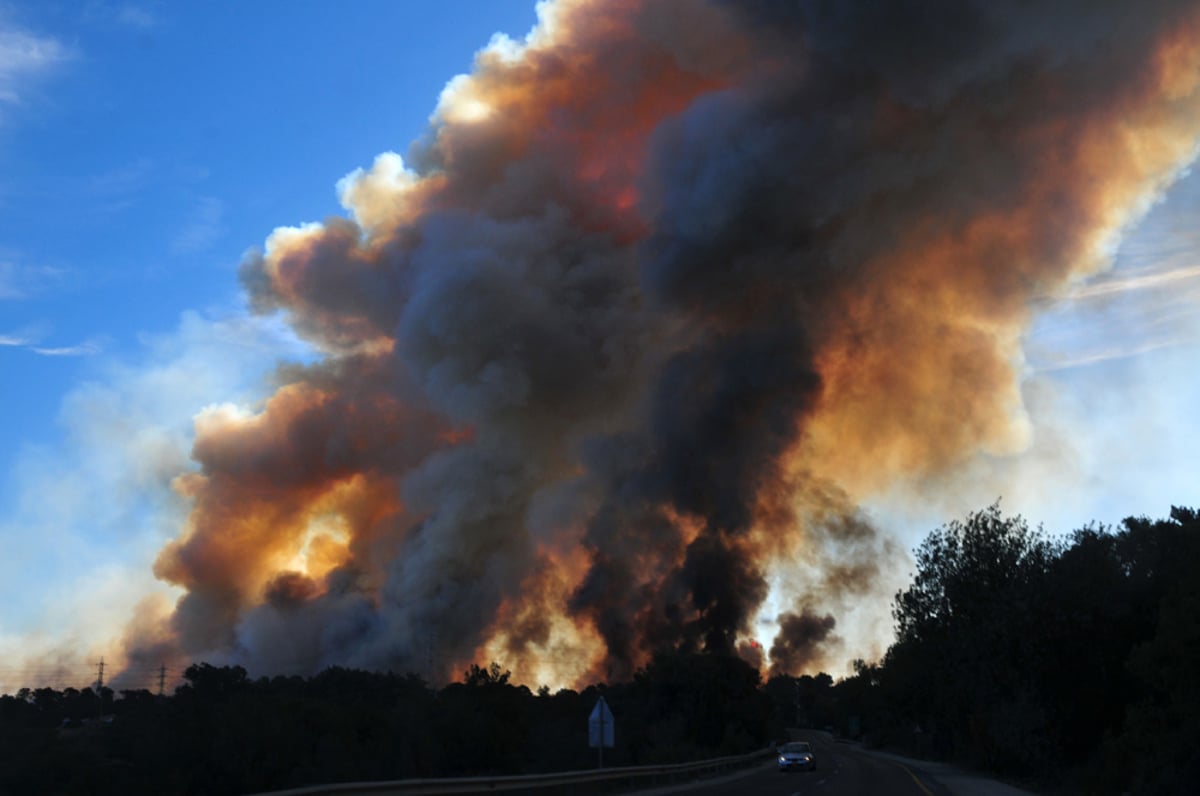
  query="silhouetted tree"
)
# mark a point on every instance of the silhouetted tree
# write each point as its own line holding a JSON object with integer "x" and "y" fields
{"x": 965, "y": 650}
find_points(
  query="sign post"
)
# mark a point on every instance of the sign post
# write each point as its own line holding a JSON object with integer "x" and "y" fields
{"x": 600, "y": 728}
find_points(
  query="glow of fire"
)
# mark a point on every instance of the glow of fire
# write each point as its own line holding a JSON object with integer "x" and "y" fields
{"x": 568, "y": 658}
{"x": 323, "y": 546}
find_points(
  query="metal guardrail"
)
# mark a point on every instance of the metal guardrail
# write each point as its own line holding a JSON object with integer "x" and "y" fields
{"x": 605, "y": 780}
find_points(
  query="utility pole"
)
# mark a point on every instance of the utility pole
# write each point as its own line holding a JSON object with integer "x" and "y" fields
{"x": 799, "y": 719}
{"x": 431, "y": 641}
{"x": 100, "y": 688}
{"x": 162, "y": 678}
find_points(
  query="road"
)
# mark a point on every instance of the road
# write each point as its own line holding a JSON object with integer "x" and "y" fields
{"x": 842, "y": 770}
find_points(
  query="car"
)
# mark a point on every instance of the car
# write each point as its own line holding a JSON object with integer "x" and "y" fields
{"x": 797, "y": 756}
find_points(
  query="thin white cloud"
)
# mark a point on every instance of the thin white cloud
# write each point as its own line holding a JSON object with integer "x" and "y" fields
{"x": 130, "y": 178}
{"x": 1095, "y": 357}
{"x": 85, "y": 349}
{"x": 29, "y": 338}
{"x": 1146, "y": 303}
{"x": 24, "y": 56}
{"x": 106, "y": 192}
{"x": 8, "y": 281}
{"x": 203, "y": 228}
{"x": 19, "y": 280}
{"x": 134, "y": 16}
{"x": 1141, "y": 280}
{"x": 24, "y": 337}
{"x": 1125, "y": 315}
{"x": 138, "y": 17}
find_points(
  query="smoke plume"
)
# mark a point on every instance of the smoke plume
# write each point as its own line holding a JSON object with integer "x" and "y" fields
{"x": 608, "y": 357}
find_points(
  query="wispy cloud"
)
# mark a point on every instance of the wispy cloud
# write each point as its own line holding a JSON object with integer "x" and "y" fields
{"x": 1118, "y": 318}
{"x": 126, "y": 179}
{"x": 85, "y": 349}
{"x": 1145, "y": 279}
{"x": 1127, "y": 312}
{"x": 1146, "y": 303}
{"x": 1062, "y": 361}
{"x": 136, "y": 16}
{"x": 24, "y": 56}
{"x": 19, "y": 280}
{"x": 202, "y": 229}
{"x": 88, "y": 348}
{"x": 30, "y": 339}
{"x": 97, "y": 195}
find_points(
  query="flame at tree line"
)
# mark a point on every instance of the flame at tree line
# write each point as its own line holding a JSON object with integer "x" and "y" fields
{"x": 609, "y": 356}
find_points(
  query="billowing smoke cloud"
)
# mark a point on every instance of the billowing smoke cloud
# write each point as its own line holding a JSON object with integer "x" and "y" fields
{"x": 629, "y": 330}
{"x": 799, "y": 641}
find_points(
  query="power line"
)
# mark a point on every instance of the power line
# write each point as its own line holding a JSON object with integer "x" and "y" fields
{"x": 82, "y": 676}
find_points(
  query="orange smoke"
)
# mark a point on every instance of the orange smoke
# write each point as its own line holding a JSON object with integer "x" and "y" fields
{"x": 609, "y": 356}
{"x": 925, "y": 368}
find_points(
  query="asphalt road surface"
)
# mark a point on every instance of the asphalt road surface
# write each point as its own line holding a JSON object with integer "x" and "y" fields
{"x": 842, "y": 770}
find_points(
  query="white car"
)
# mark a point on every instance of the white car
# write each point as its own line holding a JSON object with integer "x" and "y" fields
{"x": 797, "y": 756}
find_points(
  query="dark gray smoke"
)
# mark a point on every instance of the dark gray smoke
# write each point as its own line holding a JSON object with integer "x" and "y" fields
{"x": 606, "y": 368}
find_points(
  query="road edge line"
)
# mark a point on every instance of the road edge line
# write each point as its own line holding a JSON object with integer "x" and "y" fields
{"x": 915, "y": 779}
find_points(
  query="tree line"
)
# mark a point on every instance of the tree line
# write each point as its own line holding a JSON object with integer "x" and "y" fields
{"x": 223, "y": 732}
{"x": 1071, "y": 664}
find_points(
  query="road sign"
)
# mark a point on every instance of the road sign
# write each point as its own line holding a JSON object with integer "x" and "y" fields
{"x": 600, "y": 725}
{"x": 600, "y": 728}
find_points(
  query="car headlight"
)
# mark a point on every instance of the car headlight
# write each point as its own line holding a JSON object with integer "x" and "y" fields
{"x": 783, "y": 760}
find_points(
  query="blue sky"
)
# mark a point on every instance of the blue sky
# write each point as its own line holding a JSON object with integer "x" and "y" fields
{"x": 144, "y": 147}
